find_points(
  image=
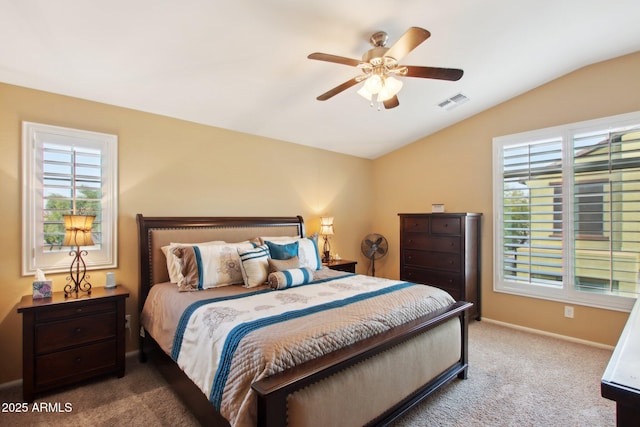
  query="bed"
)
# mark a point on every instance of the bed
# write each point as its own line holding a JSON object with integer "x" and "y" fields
{"x": 391, "y": 365}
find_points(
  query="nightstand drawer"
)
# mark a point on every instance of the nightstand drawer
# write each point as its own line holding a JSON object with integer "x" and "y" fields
{"x": 75, "y": 363}
{"x": 52, "y": 313}
{"x": 55, "y": 335}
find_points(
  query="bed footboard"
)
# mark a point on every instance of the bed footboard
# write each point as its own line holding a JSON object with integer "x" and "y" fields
{"x": 274, "y": 392}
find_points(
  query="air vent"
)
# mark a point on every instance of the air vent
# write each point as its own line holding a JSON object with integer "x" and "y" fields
{"x": 453, "y": 102}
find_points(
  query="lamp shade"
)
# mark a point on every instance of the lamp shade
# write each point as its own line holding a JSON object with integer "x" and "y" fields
{"x": 326, "y": 225}
{"x": 78, "y": 230}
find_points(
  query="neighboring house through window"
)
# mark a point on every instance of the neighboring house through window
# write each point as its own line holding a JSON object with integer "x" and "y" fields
{"x": 567, "y": 212}
{"x": 67, "y": 171}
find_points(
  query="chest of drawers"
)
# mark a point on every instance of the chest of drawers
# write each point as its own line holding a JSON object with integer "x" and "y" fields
{"x": 443, "y": 250}
{"x": 66, "y": 340}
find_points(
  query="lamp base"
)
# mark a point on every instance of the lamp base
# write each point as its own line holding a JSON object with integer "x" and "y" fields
{"x": 326, "y": 250}
{"x": 77, "y": 278}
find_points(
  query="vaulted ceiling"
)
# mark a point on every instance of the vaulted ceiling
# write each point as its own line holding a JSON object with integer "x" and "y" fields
{"x": 242, "y": 64}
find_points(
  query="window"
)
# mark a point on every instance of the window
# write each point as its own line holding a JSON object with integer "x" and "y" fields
{"x": 67, "y": 171}
{"x": 567, "y": 212}
{"x": 589, "y": 208}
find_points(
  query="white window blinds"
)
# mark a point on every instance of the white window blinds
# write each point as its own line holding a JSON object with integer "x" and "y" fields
{"x": 567, "y": 212}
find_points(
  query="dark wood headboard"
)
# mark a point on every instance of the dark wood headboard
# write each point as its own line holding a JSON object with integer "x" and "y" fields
{"x": 155, "y": 232}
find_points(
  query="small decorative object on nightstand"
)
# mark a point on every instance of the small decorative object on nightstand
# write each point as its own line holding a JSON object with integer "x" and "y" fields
{"x": 326, "y": 230}
{"x": 342, "y": 265}
{"x": 67, "y": 340}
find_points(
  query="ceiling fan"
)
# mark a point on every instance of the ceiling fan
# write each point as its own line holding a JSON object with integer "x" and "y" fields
{"x": 380, "y": 64}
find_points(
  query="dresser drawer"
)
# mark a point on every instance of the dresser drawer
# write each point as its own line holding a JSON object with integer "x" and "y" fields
{"x": 72, "y": 309}
{"x": 440, "y": 261}
{"x": 415, "y": 224}
{"x": 69, "y": 365}
{"x": 52, "y": 336}
{"x": 431, "y": 243}
{"x": 446, "y": 225}
{"x": 449, "y": 281}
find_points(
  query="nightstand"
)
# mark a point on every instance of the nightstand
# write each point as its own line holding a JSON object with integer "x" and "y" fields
{"x": 67, "y": 340}
{"x": 342, "y": 265}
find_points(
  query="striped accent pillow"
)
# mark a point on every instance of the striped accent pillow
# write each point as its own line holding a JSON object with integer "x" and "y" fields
{"x": 254, "y": 265}
{"x": 289, "y": 278}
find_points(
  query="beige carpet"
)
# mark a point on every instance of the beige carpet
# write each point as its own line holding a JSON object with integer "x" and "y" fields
{"x": 515, "y": 379}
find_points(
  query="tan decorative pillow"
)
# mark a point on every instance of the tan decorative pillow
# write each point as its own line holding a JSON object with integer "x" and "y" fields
{"x": 283, "y": 264}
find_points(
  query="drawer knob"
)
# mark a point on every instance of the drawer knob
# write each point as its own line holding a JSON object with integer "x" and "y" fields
{"x": 78, "y": 330}
{"x": 78, "y": 310}
{"x": 78, "y": 359}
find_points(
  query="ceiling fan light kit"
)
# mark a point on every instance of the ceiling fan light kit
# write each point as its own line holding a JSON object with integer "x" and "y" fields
{"x": 380, "y": 64}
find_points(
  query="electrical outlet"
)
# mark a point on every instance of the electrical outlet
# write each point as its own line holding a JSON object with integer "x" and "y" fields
{"x": 568, "y": 311}
{"x": 127, "y": 321}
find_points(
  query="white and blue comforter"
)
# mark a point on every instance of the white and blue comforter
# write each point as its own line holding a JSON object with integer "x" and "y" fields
{"x": 226, "y": 344}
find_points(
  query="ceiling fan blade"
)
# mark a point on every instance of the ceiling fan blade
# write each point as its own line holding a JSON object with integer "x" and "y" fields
{"x": 336, "y": 90}
{"x": 391, "y": 103}
{"x": 434, "y": 73}
{"x": 334, "y": 58}
{"x": 411, "y": 39}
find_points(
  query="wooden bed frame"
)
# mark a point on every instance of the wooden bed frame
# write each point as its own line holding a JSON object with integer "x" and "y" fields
{"x": 273, "y": 391}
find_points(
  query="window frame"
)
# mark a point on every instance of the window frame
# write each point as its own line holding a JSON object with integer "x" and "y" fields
{"x": 566, "y": 293}
{"x": 104, "y": 256}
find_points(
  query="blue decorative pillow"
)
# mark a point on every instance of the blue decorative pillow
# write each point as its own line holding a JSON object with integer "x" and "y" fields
{"x": 285, "y": 251}
{"x": 289, "y": 278}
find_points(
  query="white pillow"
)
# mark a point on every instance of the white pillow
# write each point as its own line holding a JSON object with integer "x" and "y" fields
{"x": 209, "y": 266}
{"x": 255, "y": 265}
{"x": 173, "y": 265}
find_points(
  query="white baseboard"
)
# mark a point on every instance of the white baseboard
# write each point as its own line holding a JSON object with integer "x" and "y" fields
{"x": 548, "y": 334}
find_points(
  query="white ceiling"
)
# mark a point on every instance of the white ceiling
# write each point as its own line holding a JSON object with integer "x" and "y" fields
{"x": 242, "y": 64}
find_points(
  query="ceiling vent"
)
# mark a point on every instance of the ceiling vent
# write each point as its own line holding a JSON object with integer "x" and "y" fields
{"x": 453, "y": 102}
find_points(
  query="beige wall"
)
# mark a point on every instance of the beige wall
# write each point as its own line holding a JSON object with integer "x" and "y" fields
{"x": 173, "y": 167}
{"x": 454, "y": 167}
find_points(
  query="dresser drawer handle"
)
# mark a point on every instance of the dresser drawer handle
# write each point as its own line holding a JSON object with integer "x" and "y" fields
{"x": 78, "y": 330}
{"x": 78, "y": 310}
{"x": 78, "y": 359}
